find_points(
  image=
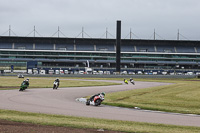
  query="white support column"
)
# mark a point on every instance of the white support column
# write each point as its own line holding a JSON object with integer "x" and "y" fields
{"x": 13, "y": 46}
{"x": 33, "y": 46}
{"x": 135, "y": 48}
{"x": 95, "y": 47}
{"x": 54, "y": 46}
{"x": 175, "y": 50}
{"x": 155, "y": 48}
{"x": 195, "y": 49}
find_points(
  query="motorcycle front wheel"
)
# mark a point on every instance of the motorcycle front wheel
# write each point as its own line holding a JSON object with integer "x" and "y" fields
{"x": 97, "y": 102}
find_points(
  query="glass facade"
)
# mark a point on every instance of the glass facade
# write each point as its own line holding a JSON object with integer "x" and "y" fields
{"x": 72, "y": 52}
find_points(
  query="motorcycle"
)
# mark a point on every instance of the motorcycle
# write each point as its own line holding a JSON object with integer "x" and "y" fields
{"x": 96, "y": 101}
{"x": 125, "y": 81}
{"x": 23, "y": 86}
{"x": 132, "y": 81}
{"x": 55, "y": 85}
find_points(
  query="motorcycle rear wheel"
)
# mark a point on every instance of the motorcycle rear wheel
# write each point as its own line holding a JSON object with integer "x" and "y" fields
{"x": 88, "y": 102}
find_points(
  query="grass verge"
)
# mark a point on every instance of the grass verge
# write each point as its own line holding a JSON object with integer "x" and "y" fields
{"x": 181, "y": 97}
{"x": 43, "y": 82}
{"x": 82, "y": 122}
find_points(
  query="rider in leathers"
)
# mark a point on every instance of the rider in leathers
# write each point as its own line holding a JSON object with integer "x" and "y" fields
{"x": 125, "y": 81}
{"x": 132, "y": 81}
{"x": 92, "y": 97}
{"x": 57, "y": 80}
{"x": 24, "y": 85}
{"x": 26, "y": 82}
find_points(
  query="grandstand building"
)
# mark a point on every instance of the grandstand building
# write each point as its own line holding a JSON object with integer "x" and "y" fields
{"x": 75, "y": 53}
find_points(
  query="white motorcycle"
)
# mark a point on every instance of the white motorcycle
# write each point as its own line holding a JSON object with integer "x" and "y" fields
{"x": 96, "y": 101}
{"x": 55, "y": 85}
{"x": 132, "y": 81}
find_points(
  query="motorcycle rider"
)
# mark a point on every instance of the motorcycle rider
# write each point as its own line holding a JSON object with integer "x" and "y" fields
{"x": 92, "y": 97}
{"x": 125, "y": 81}
{"x": 132, "y": 81}
{"x": 58, "y": 81}
{"x": 26, "y": 82}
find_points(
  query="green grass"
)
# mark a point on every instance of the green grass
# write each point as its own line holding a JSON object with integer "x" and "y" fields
{"x": 41, "y": 82}
{"x": 181, "y": 97}
{"x": 82, "y": 122}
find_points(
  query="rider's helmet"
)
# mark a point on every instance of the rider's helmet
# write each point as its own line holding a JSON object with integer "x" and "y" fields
{"x": 57, "y": 79}
{"x": 27, "y": 79}
{"x": 103, "y": 93}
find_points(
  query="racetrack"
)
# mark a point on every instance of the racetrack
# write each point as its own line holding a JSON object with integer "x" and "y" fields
{"x": 63, "y": 101}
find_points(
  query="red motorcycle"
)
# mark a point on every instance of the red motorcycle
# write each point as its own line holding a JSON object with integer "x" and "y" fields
{"x": 96, "y": 101}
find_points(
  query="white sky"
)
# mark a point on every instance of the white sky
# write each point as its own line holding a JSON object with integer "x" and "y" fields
{"x": 141, "y": 16}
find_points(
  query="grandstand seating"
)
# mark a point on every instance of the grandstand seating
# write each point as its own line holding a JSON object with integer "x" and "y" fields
{"x": 103, "y": 47}
{"x": 73, "y": 52}
{"x": 23, "y": 46}
{"x": 186, "y": 62}
{"x": 104, "y": 61}
{"x": 198, "y": 49}
{"x": 165, "y": 49}
{"x": 127, "y": 48}
{"x": 166, "y": 62}
{"x": 147, "y": 62}
{"x": 69, "y": 47}
{"x": 84, "y": 47}
{"x": 143, "y": 48}
{"x": 6, "y": 46}
{"x": 185, "y": 49}
{"x": 43, "y": 46}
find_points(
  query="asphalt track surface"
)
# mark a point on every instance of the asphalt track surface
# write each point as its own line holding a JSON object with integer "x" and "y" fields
{"x": 63, "y": 102}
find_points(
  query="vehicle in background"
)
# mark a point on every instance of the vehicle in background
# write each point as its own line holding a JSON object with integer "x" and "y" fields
{"x": 95, "y": 72}
{"x": 20, "y": 76}
{"x": 81, "y": 72}
{"x": 88, "y": 70}
{"x": 62, "y": 72}
{"x": 189, "y": 73}
{"x": 164, "y": 73}
{"x": 51, "y": 71}
{"x": 42, "y": 72}
{"x": 66, "y": 71}
{"x": 124, "y": 73}
{"x": 57, "y": 72}
{"x": 139, "y": 72}
{"x": 155, "y": 73}
{"x": 101, "y": 72}
{"x": 107, "y": 72}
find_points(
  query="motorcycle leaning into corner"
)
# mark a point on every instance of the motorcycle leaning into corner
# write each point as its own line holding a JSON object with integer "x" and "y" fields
{"x": 24, "y": 85}
{"x": 96, "y": 99}
{"x": 132, "y": 81}
{"x": 56, "y": 84}
{"x": 125, "y": 81}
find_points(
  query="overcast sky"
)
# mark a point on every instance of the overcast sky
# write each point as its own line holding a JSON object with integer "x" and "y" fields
{"x": 141, "y": 16}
